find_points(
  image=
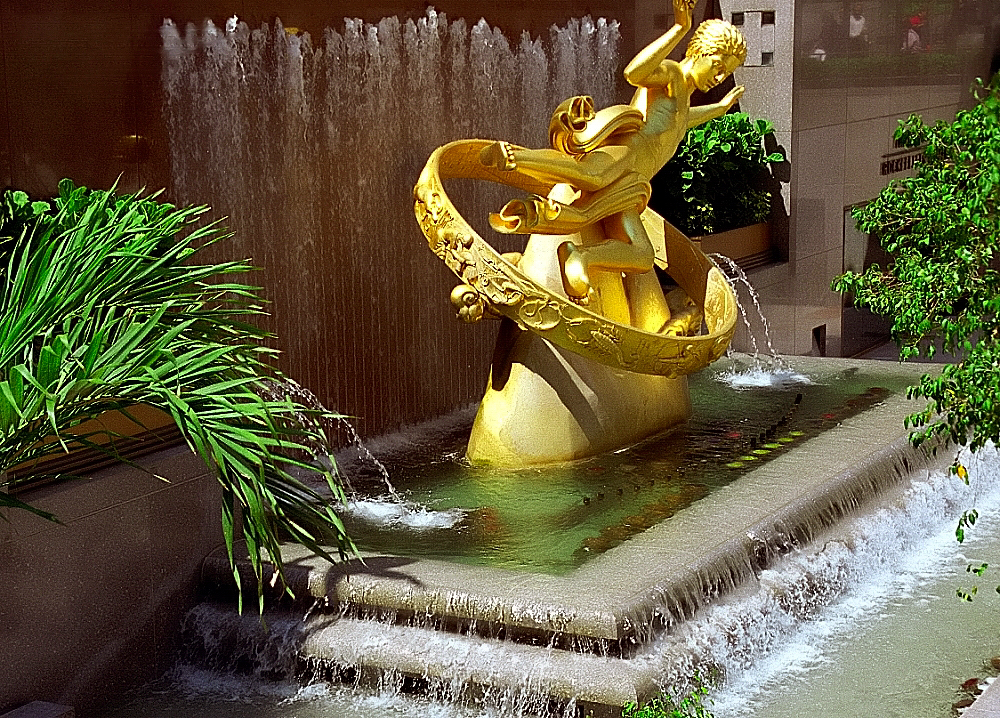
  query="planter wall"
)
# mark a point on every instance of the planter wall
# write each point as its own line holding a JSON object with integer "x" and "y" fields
{"x": 92, "y": 608}
{"x": 131, "y": 440}
{"x": 749, "y": 247}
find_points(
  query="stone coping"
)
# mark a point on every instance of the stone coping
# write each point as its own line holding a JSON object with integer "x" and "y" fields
{"x": 987, "y": 704}
{"x": 663, "y": 575}
{"x": 41, "y": 709}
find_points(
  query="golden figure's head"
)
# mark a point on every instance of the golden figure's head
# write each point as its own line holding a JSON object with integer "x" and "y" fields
{"x": 717, "y": 37}
{"x": 716, "y": 49}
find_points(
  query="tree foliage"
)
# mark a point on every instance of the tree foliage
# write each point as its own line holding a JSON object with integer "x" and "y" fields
{"x": 942, "y": 288}
{"x": 102, "y": 307}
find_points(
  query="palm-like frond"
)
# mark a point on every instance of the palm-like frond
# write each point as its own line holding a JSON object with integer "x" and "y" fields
{"x": 102, "y": 307}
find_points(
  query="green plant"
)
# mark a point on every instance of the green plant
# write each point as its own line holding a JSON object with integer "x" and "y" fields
{"x": 669, "y": 705}
{"x": 940, "y": 228}
{"x": 101, "y": 308}
{"x": 715, "y": 181}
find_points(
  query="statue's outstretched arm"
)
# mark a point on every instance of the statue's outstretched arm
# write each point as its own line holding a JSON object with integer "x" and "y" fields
{"x": 642, "y": 71}
{"x": 704, "y": 113}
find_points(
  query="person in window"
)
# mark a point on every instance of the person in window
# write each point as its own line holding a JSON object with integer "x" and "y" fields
{"x": 912, "y": 41}
{"x": 857, "y": 34}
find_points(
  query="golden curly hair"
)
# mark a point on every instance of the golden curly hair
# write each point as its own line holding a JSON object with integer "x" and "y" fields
{"x": 717, "y": 37}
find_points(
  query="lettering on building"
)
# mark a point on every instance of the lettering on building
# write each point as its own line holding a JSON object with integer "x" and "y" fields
{"x": 891, "y": 164}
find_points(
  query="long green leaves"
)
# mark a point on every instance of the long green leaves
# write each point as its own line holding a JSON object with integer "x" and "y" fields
{"x": 103, "y": 307}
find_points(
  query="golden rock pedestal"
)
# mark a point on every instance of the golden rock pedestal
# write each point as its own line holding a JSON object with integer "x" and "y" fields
{"x": 546, "y": 404}
{"x": 569, "y": 380}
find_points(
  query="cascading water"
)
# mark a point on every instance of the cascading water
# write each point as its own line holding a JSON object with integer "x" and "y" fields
{"x": 777, "y": 625}
{"x": 356, "y": 459}
{"x": 742, "y": 632}
{"x": 741, "y": 275}
{"x": 311, "y": 146}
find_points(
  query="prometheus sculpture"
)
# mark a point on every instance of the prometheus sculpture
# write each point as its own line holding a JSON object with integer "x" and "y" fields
{"x": 592, "y": 354}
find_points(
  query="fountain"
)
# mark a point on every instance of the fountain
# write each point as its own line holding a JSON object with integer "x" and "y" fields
{"x": 718, "y": 584}
{"x": 641, "y": 597}
{"x": 769, "y": 637}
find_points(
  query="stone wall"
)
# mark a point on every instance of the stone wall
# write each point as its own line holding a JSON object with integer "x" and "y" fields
{"x": 91, "y": 607}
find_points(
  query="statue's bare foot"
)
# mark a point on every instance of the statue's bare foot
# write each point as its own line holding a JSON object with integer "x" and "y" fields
{"x": 575, "y": 280}
{"x": 499, "y": 155}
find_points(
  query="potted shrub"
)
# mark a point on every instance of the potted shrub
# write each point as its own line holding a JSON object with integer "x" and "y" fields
{"x": 103, "y": 308}
{"x": 716, "y": 185}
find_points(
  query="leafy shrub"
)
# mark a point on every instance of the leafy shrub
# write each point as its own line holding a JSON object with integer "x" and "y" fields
{"x": 102, "y": 307}
{"x": 715, "y": 181}
{"x": 940, "y": 227}
{"x": 942, "y": 287}
{"x": 928, "y": 67}
{"x": 665, "y": 705}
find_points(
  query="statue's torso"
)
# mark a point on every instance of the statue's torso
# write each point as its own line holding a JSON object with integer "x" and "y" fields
{"x": 664, "y": 128}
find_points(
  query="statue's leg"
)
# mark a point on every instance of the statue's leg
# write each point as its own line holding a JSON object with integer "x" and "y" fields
{"x": 648, "y": 307}
{"x": 627, "y": 227}
{"x": 627, "y": 249}
{"x": 594, "y": 171}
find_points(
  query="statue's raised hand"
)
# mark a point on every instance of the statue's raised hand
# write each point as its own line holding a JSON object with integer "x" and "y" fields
{"x": 682, "y": 12}
{"x": 733, "y": 95}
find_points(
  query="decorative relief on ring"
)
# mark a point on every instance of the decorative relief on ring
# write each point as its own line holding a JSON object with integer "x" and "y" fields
{"x": 491, "y": 284}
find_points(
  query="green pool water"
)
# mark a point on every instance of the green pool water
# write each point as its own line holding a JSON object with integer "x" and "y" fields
{"x": 553, "y": 519}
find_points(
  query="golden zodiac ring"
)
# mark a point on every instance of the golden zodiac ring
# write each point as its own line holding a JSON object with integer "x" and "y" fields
{"x": 490, "y": 280}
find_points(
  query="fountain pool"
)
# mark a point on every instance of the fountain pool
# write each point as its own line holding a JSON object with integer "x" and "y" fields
{"x": 888, "y": 634}
{"x": 553, "y": 519}
{"x": 721, "y": 584}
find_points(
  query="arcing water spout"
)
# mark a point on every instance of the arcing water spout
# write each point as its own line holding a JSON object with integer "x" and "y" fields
{"x": 776, "y": 361}
{"x": 307, "y": 398}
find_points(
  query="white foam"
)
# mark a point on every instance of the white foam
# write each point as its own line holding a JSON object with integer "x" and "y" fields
{"x": 215, "y": 692}
{"x": 786, "y": 632}
{"x": 193, "y": 682}
{"x": 757, "y": 377}
{"x": 387, "y": 512}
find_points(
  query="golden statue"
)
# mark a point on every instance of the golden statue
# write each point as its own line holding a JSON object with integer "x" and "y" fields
{"x": 584, "y": 288}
